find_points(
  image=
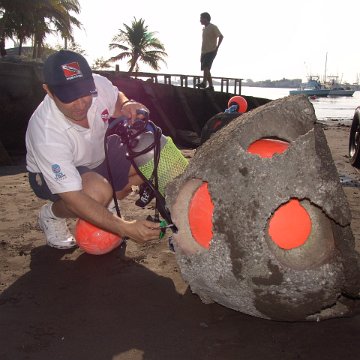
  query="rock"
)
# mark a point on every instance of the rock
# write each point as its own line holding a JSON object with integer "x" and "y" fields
{"x": 234, "y": 245}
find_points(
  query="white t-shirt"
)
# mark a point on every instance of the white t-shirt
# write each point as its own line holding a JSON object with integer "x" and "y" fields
{"x": 209, "y": 38}
{"x": 56, "y": 146}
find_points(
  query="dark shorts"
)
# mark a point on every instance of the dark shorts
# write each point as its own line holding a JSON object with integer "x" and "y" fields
{"x": 207, "y": 59}
{"x": 119, "y": 169}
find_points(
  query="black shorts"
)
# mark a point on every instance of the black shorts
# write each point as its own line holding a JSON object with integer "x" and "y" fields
{"x": 119, "y": 169}
{"x": 207, "y": 59}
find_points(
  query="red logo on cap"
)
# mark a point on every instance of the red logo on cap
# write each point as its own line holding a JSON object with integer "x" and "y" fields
{"x": 72, "y": 70}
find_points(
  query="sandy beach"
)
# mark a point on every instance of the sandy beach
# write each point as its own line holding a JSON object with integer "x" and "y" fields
{"x": 133, "y": 304}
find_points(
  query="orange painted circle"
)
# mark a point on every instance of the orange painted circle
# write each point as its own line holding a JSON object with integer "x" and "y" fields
{"x": 266, "y": 148}
{"x": 94, "y": 240}
{"x": 200, "y": 214}
{"x": 290, "y": 225}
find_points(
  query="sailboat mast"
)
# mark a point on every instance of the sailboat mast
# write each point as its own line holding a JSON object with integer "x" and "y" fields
{"x": 325, "y": 67}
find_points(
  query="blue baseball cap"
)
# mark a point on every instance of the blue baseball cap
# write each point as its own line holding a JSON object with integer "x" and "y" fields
{"x": 68, "y": 76}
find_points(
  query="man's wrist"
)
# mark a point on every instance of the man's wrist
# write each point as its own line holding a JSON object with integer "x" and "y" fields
{"x": 121, "y": 227}
{"x": 126, "y": 102}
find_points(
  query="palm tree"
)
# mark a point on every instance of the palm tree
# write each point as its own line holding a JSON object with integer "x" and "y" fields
{"x": 56, "y": 13}
{"x": 33, "y": 19}
{"x": 138, "y": 44}
{"x": 100, "y": 64}
{"x": 15, "y": 20}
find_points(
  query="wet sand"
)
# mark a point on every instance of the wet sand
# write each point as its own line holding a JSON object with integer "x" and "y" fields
{"x": 133, "y": 303}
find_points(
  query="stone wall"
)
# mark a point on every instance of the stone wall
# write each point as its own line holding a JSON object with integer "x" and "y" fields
{"x": 20, "y": 94}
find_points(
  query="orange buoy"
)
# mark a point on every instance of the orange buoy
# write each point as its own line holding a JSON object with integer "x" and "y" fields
{"x": 290, "y": 225}
{"x": 200, "y": 214}
{"x": 94, "y": 240}
{"x": 240, "y": 102}
{"x": 266, "y": 148}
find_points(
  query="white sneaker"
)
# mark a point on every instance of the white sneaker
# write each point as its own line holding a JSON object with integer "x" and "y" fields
{"x": 56, "y": 230}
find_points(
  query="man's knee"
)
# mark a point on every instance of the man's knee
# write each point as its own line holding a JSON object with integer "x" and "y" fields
{"x": 96, "y": 186}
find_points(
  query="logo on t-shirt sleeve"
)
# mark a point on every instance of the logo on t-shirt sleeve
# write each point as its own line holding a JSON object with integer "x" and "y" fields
{"x": 59, "y": 175}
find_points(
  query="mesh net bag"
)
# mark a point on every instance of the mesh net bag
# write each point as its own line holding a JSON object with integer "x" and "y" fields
{"x": 172, "y": 163}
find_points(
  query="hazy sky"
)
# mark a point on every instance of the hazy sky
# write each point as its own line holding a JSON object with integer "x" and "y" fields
{"x": 262, "y": 39}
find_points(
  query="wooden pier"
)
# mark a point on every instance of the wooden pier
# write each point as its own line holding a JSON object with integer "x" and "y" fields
{"x": 227, "y": 85}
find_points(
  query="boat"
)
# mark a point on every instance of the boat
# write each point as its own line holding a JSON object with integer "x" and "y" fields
{"x": 340, "y": 91}
{"x": 312, "y": 88}
{"x": 329, "y": 87}
{"x": 337, "y": 89}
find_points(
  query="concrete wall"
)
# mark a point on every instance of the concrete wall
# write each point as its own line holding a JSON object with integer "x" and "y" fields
{"x": 170, "y": 107}
{"x": 20, "y": 94}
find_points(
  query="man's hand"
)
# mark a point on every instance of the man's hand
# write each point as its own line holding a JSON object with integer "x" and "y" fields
{"x": 129, "y": 109}
{"x": 141, "y": 231}
{"x": 83, "y": 206}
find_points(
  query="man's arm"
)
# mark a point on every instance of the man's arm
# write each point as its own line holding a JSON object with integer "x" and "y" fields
{"x": 220, "y": 39}
{"x": 121, "y": 100}
{"x": 83, "y": 206}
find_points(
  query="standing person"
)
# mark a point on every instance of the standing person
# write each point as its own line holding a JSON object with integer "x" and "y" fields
{"x": 211, "y": 40}
{"x": 65, "y": 152}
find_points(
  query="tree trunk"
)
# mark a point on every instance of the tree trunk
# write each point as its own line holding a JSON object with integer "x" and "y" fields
{"x": 39, "y": 50}
{"x": 133, "y": 64}
{"x": 34, "y": 54}
{"x": 20, "y": 46}
{"x": 2, "y": 47}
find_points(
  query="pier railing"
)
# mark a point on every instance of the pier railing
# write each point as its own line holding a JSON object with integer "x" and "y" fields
{"x": 227, "y": 85}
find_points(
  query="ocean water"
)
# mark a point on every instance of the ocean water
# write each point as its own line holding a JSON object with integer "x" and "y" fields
{"x": 330, "y": 110}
